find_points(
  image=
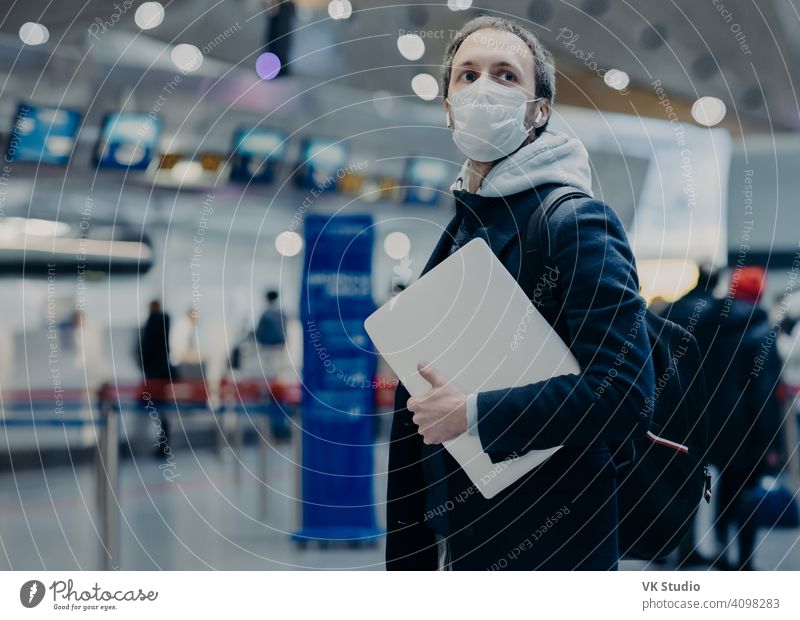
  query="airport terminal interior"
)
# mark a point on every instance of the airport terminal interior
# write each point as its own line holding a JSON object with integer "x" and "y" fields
{"x": 202, "y": 201}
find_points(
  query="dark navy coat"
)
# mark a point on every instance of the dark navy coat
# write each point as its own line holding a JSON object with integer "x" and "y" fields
{"x": 563, "y": 514}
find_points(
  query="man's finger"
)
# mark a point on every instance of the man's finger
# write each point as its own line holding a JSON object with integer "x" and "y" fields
{"x": 430, "y": 375}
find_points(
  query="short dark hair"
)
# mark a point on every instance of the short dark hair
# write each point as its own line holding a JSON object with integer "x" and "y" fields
{"x": 272, "y": 295}
{"x": 544, "y": 67}
{"x": 707, "y": 277}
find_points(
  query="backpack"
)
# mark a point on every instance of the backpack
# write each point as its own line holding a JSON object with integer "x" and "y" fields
{"x": 661, "y": 476}
{"x": 270, "y": 328}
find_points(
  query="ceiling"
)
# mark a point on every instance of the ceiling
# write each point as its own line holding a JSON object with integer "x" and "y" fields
{"x": 743, "y": 52}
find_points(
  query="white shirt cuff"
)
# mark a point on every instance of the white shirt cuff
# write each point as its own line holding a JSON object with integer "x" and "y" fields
{"x": 472, "y": 414}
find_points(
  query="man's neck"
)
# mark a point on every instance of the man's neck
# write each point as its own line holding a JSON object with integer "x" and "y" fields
{"x": 479, "y": 169}
{"x": 477, "y": 172}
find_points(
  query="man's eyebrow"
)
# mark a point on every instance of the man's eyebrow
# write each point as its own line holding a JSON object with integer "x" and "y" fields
{"x": 499, "y": 63}
{"x": 505, "y": 63}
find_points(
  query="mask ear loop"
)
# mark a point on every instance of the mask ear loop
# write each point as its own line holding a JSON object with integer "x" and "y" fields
{"x": 538, "y": 113}
{"x": 447, "y": 113}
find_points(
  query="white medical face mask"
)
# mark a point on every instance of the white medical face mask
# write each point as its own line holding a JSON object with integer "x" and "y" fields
{"x": 489, "y": 119}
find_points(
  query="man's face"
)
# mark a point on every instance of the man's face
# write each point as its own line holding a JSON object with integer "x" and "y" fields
{"x": 500, "y": 56}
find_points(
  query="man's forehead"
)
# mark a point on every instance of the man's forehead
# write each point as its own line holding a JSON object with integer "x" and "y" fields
{"x": 500, "y": 42}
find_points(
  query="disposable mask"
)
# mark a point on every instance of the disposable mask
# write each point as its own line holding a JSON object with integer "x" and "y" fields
{"x": 489, "y": 119}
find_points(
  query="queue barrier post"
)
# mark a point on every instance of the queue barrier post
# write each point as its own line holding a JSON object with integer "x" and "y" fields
{"x": 263, "y": 444}
{"x": 108, "y": 481}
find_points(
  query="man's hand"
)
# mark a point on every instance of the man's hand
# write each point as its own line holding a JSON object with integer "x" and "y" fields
{"x": 441, "y": 412}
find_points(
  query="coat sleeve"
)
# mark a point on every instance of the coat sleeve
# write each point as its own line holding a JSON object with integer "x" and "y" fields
{"x": 763, "y": 398}
{"x": 598, "y": 293}
{"x": 410, "y": 545}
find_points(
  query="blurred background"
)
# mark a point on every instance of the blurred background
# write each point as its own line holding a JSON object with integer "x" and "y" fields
{"x": 169, "y": 170}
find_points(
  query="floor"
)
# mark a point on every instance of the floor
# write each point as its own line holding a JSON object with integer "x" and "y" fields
{"x": 205, "y": 519}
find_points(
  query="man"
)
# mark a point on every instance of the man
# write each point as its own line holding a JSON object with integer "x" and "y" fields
{"x": 271, "y": 337}
{"x": 155, "y": 359}
{"x": 696, "y": 311}
{"x": 742, "y": 371}
{"x": 154, "y": 344}
{"x": 183, "y": 345}
{"x": 499, "y": 85}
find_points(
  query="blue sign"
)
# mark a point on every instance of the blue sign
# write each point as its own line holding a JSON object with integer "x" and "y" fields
{"x": 127, "y": 141}
{"x": 339, "y": 364}
{"x": 43, "y": 134}
{"x": 256, "y": 154}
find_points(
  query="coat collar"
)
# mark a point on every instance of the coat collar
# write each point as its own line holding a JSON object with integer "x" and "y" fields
{"x": 498, "y": 217}
{"x": 443, "y": 245}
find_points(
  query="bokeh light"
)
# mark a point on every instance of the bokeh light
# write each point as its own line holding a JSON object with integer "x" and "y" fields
{"x": 616, "y": 79}
{"x": 186, "y": 57}
{"x": 268, "y": 65}
{"x": 397, "y": 245}
{"x": 149, "y": 15}
{"x": 411, "y": 46}
{"x": 708, "y": 111}
{"x": 425, "y": 86}
{"x": 288, "y": 243}
{"x": 32, "y": 33}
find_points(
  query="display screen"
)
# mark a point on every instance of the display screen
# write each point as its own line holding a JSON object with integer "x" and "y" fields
{"x": 127, "y": 141}
{"x": 43, "y": 134}
{"x": 256, "y": 154}
{"x": 322, "y": 163}
{"x": 425, "y": 179}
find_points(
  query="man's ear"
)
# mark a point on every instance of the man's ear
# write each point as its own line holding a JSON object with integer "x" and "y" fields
{"x": 447, "y": 114}
{"x": 544, "y": 108}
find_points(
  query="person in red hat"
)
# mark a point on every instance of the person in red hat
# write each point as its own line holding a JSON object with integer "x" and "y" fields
{"x": 742, "y": 372}
{"x": 748, "y": 284}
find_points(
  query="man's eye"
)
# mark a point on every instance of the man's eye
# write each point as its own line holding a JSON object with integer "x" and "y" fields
{"x": 469, "y": 76}
{"x": 508, "y": 76}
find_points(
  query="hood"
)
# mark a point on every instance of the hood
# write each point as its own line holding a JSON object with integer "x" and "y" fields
{"x": 742, "y": 312}
{"x": 553, "y": 157}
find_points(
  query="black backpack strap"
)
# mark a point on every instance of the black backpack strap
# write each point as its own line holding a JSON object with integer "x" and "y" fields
{"x": 537, "y": 234}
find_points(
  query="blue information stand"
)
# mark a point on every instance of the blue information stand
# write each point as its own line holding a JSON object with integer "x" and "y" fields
{"x": 339, "y": 364}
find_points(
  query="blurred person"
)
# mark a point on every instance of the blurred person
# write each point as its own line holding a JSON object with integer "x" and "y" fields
{"x": 90, "y": 355}
{"x": 696, "y": 311}
{"x": 658, "y": 304}
{"x": 786, "y": 315}
{"x": 270, "y": 337}
{"x": 498, "y": 85}
{"x": 185, "y": 348}
{"x": 6, "y": 363}
{"x": 280, "y": 19}
{"x": 742, "y": 371}
{"x": 789, "y": 338}
{"x": 154, "y": 350}
{"x": 699, "y": 298}
{"x": 154, "y": 344}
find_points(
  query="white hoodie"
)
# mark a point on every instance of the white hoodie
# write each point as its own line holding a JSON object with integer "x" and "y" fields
{"x": 553, "y": 157}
